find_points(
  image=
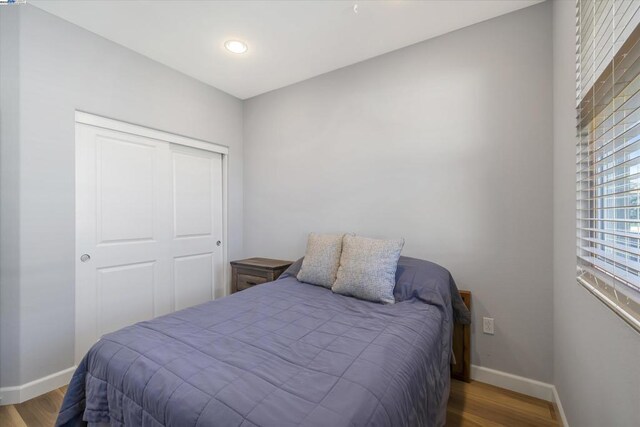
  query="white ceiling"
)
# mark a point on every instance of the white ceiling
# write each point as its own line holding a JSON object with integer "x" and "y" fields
{"x": 289, "y": 41}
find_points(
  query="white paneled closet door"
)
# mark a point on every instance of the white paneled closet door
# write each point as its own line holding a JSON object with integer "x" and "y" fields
{"x": 149, "y": 228}
{"x": 196, "y": 225}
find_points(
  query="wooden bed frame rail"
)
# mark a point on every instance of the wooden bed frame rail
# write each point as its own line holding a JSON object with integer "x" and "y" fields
{"x": 461, "y": 370}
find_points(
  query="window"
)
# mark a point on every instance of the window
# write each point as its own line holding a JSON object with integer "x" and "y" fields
{"x": 608, "y": 153}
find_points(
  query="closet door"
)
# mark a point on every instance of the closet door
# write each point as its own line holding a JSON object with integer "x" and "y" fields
{"x": 196, "y": 225}
{"x": 148, "y": 219}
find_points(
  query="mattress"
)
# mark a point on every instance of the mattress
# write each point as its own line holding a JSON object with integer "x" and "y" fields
{"x": 279, "y": 354}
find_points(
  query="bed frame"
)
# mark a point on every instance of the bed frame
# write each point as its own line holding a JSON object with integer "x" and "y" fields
{"x": 461, "y": 370}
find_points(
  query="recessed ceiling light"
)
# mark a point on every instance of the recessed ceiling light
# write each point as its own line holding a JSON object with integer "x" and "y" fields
{"x": 235, "y": 46}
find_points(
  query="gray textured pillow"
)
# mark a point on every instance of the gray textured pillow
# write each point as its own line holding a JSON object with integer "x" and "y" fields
{"x": 368, "y": 268}
{"x": 321, "y": 261}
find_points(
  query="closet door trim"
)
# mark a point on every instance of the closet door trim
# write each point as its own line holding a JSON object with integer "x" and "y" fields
{"x": 104, "y": 122}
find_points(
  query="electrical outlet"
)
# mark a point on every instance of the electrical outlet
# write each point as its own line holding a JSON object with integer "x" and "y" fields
{"x": 487, "y": 325}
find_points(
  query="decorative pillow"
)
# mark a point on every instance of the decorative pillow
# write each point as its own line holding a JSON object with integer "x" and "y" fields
{"x": 368, "y": 268}
{"x": 321, "y": 261}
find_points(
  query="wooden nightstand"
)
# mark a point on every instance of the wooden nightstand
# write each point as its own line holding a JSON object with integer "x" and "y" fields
{"x": 254, "y": 271}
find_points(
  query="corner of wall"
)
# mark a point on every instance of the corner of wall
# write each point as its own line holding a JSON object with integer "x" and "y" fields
{"x": 9, "y": 196}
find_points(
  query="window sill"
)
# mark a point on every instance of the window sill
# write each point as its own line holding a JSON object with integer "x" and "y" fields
{"x": 609, "y": 299}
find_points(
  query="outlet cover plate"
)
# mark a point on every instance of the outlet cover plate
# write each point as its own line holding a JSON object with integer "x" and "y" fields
{"x": 487, "y": 325}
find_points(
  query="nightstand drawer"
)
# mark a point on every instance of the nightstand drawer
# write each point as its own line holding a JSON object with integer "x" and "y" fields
{"x": 246, "y": 281}
{"x": 250, "y": 272}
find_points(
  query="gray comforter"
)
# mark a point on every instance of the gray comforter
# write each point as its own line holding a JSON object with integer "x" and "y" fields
{"x": 279, "y": 354}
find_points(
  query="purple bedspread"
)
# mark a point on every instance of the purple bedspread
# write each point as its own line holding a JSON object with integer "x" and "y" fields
{"x": 279, "y": 354}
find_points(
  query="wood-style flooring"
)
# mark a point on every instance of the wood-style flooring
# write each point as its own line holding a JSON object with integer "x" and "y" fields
{"x": 470, "y": 405}
{"x": 37, "y": 412}
{"x": 479, "y": 404}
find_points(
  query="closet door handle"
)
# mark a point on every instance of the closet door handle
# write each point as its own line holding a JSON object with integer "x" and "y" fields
{"x": 85, "y": 257}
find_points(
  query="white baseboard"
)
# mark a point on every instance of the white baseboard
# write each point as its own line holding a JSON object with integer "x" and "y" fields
{"x": 24, "y": 392}
{"x": 512, "y": 382}
{"x": 559, "y": 408}
{"x": 533, "y": 388}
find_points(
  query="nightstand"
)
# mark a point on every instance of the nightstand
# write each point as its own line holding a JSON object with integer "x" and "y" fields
{"x": 254, "y": 271}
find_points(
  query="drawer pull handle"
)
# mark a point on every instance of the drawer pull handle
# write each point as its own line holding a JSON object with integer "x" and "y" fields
{"x": 251, "y": 283}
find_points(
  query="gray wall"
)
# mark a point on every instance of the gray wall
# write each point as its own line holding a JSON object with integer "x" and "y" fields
{"x": 64, "y": 68}
{"x": 596, "y": 355}
{"x": 447, "y": 143}
{"x": 9, "y": 197}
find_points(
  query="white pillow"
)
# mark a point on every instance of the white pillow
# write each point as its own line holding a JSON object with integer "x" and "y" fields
{"x": 321, "y": 261}
{"x": 368, "y": 268}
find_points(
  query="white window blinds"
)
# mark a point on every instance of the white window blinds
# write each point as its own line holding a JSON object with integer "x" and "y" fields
{"x": 608, "y": 153}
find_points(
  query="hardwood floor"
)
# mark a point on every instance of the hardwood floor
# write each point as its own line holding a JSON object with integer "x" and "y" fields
{"x": 470, "y": 405}
{"x": 478, "y": 404}
{"x": 41, "y": 411}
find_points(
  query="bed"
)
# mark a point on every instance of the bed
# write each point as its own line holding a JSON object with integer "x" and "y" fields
{"x": 282, "y": 353}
